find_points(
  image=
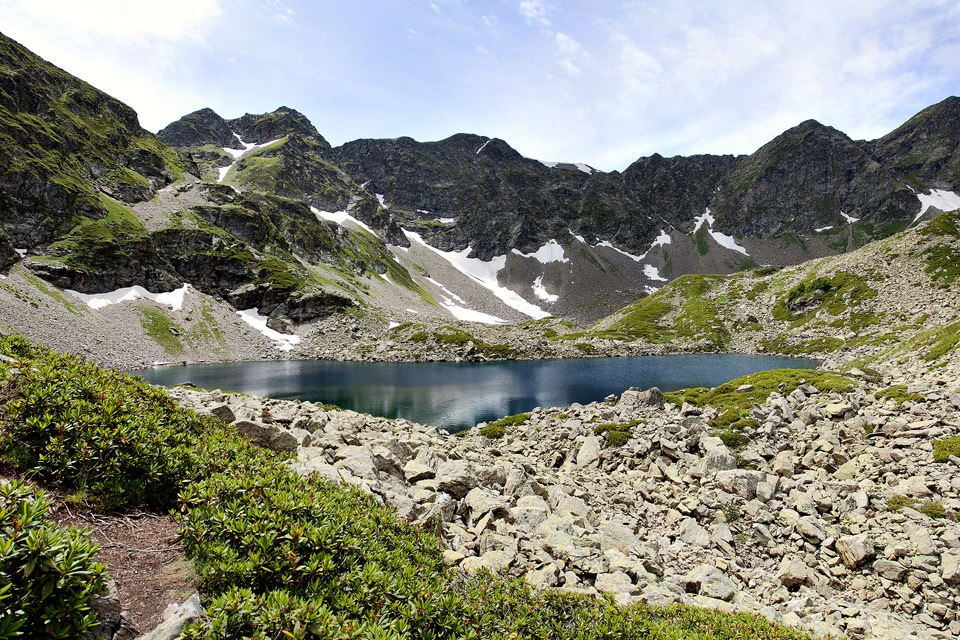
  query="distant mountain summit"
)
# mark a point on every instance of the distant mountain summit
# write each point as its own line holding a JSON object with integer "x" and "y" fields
{"x": 262, "y": 212}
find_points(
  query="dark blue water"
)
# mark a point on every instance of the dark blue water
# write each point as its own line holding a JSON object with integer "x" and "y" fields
{"x": 458, "y": 395}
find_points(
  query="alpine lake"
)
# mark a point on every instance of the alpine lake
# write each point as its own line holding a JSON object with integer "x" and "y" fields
{"x": 456, "y": 396}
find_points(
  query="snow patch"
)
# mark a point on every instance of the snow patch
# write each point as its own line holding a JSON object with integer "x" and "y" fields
{"x": 706, "y": 217}
{"x": 21, "y": 252}
{"x": 341, "y": 218}
{"x": 483, "y": 146}
{"x": 728, "y": 242}
{"x": 822, "y": 229}
{"x": 580, "y": 238}
{"x": 649, "y": 289}
{"x": 653, "y": 273}
{"x": 540, "y": 291}
{"x": 393, "y": 324}
{"x": 552, "y": 251}
{"x": 938, "y": 199}
{"x": 446, "y": 220}
{"x": 550, "y": 165}
{"x": 471, "y": 315}
{"x": 609, "y": 245}
{"x": 849, "y": 219}
{"x": 662, "y": 239}
{"x": 283, "y": 341}
{"x": 380, "y": 200}
{"x": 587, "y": 169}
{"x": 725, "y": 241}
{"x": 485, "y": 274}
{"x": 236, "y": 154}
{"x": 452, "y": 295}
{"x": 172, "y": 299}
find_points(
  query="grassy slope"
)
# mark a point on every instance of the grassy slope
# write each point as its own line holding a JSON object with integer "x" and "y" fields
{"x": 279, "y": 555}
{"x": 885, "y": 301}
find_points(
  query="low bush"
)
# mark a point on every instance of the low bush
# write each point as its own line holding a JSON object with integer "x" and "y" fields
{"x": 943, "y": 449}
{"x": 48, "y": 574}
{"x": 899, "y": 394}
{"x": 616, "y": 434}
{"x": 494, "y": 431}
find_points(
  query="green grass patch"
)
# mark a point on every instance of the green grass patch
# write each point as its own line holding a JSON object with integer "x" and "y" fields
{"x": 734, "y": 406}
{"x": 158, "y": 326}
{"x": 834, "y": 294}
{"x": 615, "y": 434}
{"x": 943, "y": 449}
{"x": 71, "y": 304}
{"x": 899, "y": 393}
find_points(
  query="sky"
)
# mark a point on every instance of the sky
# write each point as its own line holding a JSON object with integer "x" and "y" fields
{"x": 590, "y": 81}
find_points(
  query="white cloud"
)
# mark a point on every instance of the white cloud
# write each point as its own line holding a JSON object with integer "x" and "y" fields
{"x": 535, "y": 11}
{"x": 572, "y": 54}
{"x": 121, "y": 19}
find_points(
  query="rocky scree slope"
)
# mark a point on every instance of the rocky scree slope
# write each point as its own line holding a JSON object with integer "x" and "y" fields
{"x": 830, "y": 510}
{"x": 892, "y": 300}
{"x": 92, "y": 202}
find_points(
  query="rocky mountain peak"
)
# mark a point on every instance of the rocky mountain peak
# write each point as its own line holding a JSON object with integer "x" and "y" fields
{"x": 925, "y": 150}
{"x": 204, "y": 126}
{"x": 281, "y": 122}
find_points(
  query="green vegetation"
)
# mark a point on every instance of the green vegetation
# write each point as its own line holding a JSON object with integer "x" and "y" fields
{"x": 71, "y": 304}
{"x": 835, "y": 295}
{"x": 734, "y": 406}
{"x": 933, "y": 509}
{"x": 697, "y": 317}
{"x": 642, "y": 318}
{"x": 277, "y": 555}
{"x": 899, "y": 393}
{"x": 941, "y": 256}
{"x": 161, "y": 329}
{"x": 943, "y": 449}
{"x": 48, "y": 574}
{"x": 898, "y": 502}
{"x": 616, "y": 434}
{"x": 96, "y": 244}
{"x": 103, "y": 433}
{"x": 933, "y": 344}
{"x": 930, "y": 508}
{"x": 493, "y": 431}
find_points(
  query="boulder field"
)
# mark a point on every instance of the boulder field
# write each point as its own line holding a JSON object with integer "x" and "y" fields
{"x": 833, "y": 516}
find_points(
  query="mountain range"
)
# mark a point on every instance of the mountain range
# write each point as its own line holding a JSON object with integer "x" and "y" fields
{"x": 262, "y": 214}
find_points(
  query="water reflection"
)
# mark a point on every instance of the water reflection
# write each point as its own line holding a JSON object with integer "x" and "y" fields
{"x": 458, "y": 395}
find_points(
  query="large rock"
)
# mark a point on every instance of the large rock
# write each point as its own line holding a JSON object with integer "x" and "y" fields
{"x": 792, "y": 572}
{"x": 358, "y": 461}
{"x": 739, "y": 481}
{"x": 716, "y": 458}
{"x": 855, "y": 550}
{"x": 635, "y": 398}
{"x": 175, "y": 618}
{"x": 269, "y": 436}
{"x": 707, "y": 580}
{"x": 498, "y": 561}
{"x": 589, "y": 453}
{"x": 456, "y": 477}
{"x": 950, "y": 566}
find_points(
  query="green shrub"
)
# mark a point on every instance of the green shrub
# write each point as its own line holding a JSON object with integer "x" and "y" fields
{"x": 48, "y": 574}
{"x": 104, "y": 433}
{"x": 276, "y": 549}
{"x": 616, "y": 434}
{"x": 943, "y": 449}
{"x": 898, "y": 502}
{"x": 494, "y": 431}
{"x": 933, "y": 509}
{"x": 899, "y": 393}
{"x": 511, "y": 421}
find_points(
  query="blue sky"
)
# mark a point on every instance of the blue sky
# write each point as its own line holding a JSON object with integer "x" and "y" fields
{"x": 582, "y": 81}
